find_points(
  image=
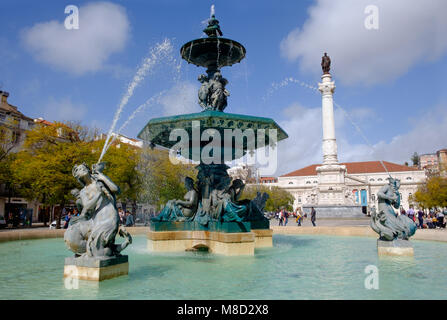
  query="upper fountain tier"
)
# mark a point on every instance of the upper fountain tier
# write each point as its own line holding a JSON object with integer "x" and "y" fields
{"x": 213, "y": 52}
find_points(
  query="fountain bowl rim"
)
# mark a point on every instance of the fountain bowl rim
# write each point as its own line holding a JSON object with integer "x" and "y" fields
{"x": 200, "y": 41}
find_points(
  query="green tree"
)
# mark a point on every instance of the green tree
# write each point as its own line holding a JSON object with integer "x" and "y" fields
{"x": 122, "y": 162}
{"x": 7, "y": 144}
{"x": 415, "y": 159}
{"x": 43, "y": 167}
{"x": 162, "y": 180}
{"x": 432, "y": 194}
{"x": 278, "y": 198}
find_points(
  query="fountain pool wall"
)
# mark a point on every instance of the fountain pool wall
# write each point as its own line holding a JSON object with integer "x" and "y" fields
{"x": 297, "y": 267}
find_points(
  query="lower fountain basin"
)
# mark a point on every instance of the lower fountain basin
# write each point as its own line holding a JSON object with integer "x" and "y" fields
{"x": 297, "y": 267}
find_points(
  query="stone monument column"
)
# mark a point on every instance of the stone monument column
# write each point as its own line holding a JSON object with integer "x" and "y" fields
{"x": 327, "y": 88}
{"x": 331, "y": 175}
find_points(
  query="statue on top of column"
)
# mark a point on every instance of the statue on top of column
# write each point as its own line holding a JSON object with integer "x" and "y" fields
{"x": 326, "y": 63}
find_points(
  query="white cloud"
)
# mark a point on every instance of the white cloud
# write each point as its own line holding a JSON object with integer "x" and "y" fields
{"x": 103, "y": 30}
{"x": 63, "y": 109}
{"x": 409, "y": 32}
{"x": 180, "y": 99}
{"x": 303, "y": 147}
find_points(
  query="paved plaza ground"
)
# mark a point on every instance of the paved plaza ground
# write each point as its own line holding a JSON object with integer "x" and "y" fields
{"x": 325, "y": 222}
{"x": 335, "y": 227}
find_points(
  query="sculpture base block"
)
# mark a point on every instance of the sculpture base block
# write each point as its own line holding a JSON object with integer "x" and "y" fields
{"x": 226, "y": 238}
{"x": 395, "y": 248}
{"x": 95, "y": 269}
{"x": 336, "y": 211}
{"x": 228, "y": 244}
{"x": 263, "y": 238}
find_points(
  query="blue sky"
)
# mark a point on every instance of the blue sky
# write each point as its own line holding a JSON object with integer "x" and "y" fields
{"x": 389, "y": 80}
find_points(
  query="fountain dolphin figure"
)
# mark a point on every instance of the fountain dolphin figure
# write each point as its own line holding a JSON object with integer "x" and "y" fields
{"x": 385, "y": 221}
{"x": 93, "y": 232}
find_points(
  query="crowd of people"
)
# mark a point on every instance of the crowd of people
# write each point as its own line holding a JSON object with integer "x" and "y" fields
{"x": 283, "y": 216}
{"x": 126, "y": 217}
{"x": 431, "y": 219}
{"x": 19, "y": 218}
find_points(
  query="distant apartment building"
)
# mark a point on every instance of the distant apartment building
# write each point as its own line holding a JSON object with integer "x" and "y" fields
{"x": 268, "y": 180}
{"x": 13, "y": 123}
{"x": 244, "y": 172}
{"x": 442, "y": 161}
{"x": 428, "y": 160}
{"x": 13, "y": 126}
{"x": 120, "y": 138}
{"x": 434, "y": 163}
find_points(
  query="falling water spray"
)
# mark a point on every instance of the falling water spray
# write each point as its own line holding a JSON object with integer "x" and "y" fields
{"x": 150, "y": 101}
{"x": 157, "y": 53}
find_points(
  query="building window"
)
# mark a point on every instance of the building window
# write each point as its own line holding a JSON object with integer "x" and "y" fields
{"x": 307, "y": 182}
{"x": 373, "y": 197}
{"x": 15, "y": 137}
{"x": 299, "y": 200}
{"x": 380, "y": 179}
{"x": 290, "y": 182}
{"x": 372, "y": 179}
{"x": 408, "y": 178}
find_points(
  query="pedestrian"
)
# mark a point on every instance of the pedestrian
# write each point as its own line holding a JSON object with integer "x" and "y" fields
{"x": 286, "y": 217}
{"x": 298, "y": 218}
{"x": 22, "y": 213}
{"x": 281, "y": 217}
{"x": 430, "y": 223}
{"x": 421, "y": 218}
{"x": 411, "y": 213}
{"x": 67, "y": 219}
{"x": 440, "y": 218}
{"x": 10, "y": 219}
{"x": 313, "y": 214}
{"x": 402, "y": 211}
{"x": 129, "y": 219}
{"x": 122, "y": 216}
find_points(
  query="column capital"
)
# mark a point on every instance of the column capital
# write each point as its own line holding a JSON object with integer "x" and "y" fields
{"x": 326, "y": 86}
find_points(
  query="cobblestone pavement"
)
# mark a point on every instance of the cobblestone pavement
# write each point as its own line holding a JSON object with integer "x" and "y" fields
{"x": 325, "y": 222}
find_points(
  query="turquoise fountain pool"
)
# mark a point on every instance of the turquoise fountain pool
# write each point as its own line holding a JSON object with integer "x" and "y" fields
{"x": 297, "y": 267}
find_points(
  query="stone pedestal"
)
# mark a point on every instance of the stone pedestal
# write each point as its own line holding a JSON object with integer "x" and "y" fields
{"x": 95, "y": 269}
{"x": 228, "y": 244}
{"x": 336, "y": 212}
{"x": 263, "y": 238}
{"x": 395, "y": 248}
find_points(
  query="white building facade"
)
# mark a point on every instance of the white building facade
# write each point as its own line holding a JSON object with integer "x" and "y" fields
{"x": 362, "y": 182}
